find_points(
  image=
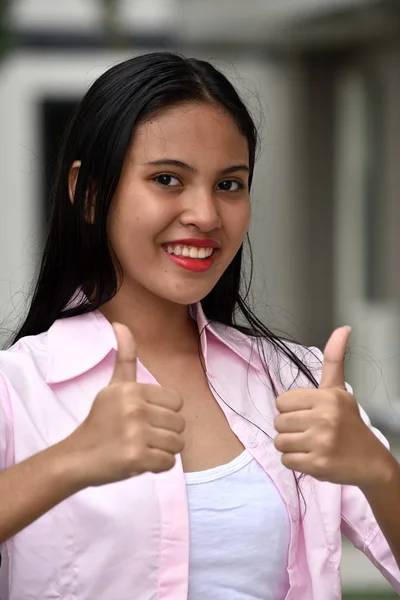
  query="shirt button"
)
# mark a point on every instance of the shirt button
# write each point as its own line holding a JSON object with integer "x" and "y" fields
{"x": 252, "y": 442}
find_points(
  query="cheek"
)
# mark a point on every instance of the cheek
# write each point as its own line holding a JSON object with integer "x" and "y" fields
{"x": 133, "y": 230}
{"x": 125, "y": 232}
{"x": 237, "y": 221}
{"x": 128, "y": 216}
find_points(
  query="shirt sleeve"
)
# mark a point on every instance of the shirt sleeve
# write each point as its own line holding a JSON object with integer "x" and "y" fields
{"x": 358, "y": 522}
{"x": 361, "y": 528}
{"x": 6, "y": 427}
{"x": 6, "y": 460}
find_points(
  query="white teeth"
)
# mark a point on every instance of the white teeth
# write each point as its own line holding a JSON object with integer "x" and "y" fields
{"x": 190, "y": 251}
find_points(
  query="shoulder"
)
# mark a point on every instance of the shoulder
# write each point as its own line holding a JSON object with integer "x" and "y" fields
{"x": 28, "y": 350}
{"x": 71, "y": 347}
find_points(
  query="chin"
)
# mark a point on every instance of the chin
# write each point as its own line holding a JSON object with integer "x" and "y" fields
{"x": 185, "y": 300}
{"x": 187, "y": 297}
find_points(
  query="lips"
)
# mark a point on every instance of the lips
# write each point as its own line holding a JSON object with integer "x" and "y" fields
{"x": 192, "y": 254}
{"x": 196, "y": 261}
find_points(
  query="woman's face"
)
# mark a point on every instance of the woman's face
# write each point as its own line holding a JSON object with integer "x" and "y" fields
{"x": 181, "y": 209}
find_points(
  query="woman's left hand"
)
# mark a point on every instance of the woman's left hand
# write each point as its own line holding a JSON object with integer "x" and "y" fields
{"x": 321, "y": 432}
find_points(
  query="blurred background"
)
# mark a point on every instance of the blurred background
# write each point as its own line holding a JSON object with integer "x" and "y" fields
{"x": 322, "y": 78}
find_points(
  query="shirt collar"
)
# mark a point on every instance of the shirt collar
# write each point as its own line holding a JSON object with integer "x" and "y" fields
{"x": 77, "y": 344}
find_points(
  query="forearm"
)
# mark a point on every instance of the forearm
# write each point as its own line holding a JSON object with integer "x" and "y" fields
{"x": 31, "y": 488}
{"x": 384, "y": 499}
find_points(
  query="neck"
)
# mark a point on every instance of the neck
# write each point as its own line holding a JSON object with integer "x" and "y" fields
{"x": 154, "y": 321}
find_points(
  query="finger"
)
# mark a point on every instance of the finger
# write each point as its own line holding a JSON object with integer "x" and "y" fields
{"x": 297, "y": 461}
{"x": 293, "y": 400}
{"x": 125, "y": 361}
{"x": 294, "y": 422}
{"x": 159, "y": 461}
{"x": 164, "y": 418}
{"x": 293, "y": 442}
{"x": 160, "y": 396}
{"x": 160, "y": 439}
{"x": 333, "y": 375}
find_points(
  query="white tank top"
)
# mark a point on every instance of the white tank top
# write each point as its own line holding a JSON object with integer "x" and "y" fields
{"x": 239, "y": 533}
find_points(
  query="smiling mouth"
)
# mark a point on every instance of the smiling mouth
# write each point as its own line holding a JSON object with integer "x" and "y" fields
{"x": 190, "y": 252}
{"x": 191, "y": 258}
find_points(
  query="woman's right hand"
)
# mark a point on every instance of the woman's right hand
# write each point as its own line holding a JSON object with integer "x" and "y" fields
{"x": 131, "y": 428}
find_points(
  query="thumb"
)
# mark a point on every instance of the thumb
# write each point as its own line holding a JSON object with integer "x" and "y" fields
{"x": 125, "y": 361}
{"x": 333, "y": 375}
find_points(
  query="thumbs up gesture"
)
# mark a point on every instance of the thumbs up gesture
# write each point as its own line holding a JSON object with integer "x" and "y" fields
{"x": 321, "y": 432}
{"x": 131, "y": 428}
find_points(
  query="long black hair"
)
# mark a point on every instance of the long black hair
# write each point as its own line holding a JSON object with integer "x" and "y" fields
{"x": 77, "y": 254}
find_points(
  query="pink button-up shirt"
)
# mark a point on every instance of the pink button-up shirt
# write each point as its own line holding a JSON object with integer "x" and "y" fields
{"x": 130, "y": 540}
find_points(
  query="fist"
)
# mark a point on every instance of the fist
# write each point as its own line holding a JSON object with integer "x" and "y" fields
{"x": 321, "y": 432}
{"x": 131, "y": 428}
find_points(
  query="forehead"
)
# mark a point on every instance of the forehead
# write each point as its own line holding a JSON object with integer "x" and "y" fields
{"x": 191, "y": 132}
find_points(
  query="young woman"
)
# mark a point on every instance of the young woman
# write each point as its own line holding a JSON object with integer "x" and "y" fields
{"x": 150, "y": 446}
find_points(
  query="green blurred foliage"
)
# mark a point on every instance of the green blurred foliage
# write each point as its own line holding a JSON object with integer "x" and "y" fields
{"x": 370, "y": 595}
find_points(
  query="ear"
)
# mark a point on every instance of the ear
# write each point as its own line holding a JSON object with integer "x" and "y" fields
{"x": 72, "y": 179}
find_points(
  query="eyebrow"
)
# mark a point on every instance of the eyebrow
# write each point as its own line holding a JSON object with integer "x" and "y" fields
{"x": 181, "y": 165}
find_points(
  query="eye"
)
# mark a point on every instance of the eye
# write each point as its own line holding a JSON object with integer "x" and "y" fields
{"x": 231, "y": 185}
{"x": 167, "y": 180}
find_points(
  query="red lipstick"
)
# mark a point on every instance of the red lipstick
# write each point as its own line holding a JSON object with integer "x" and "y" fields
{"x": 196, "y": 265}
{"x": 196, "y": 242}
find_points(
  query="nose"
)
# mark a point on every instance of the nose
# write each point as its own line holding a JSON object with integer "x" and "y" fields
{"x": 200, "y": 210}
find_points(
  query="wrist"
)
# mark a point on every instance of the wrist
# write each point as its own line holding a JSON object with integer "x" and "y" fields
{"x": 67, "y": 467}
{"x": 387, "y": 476}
